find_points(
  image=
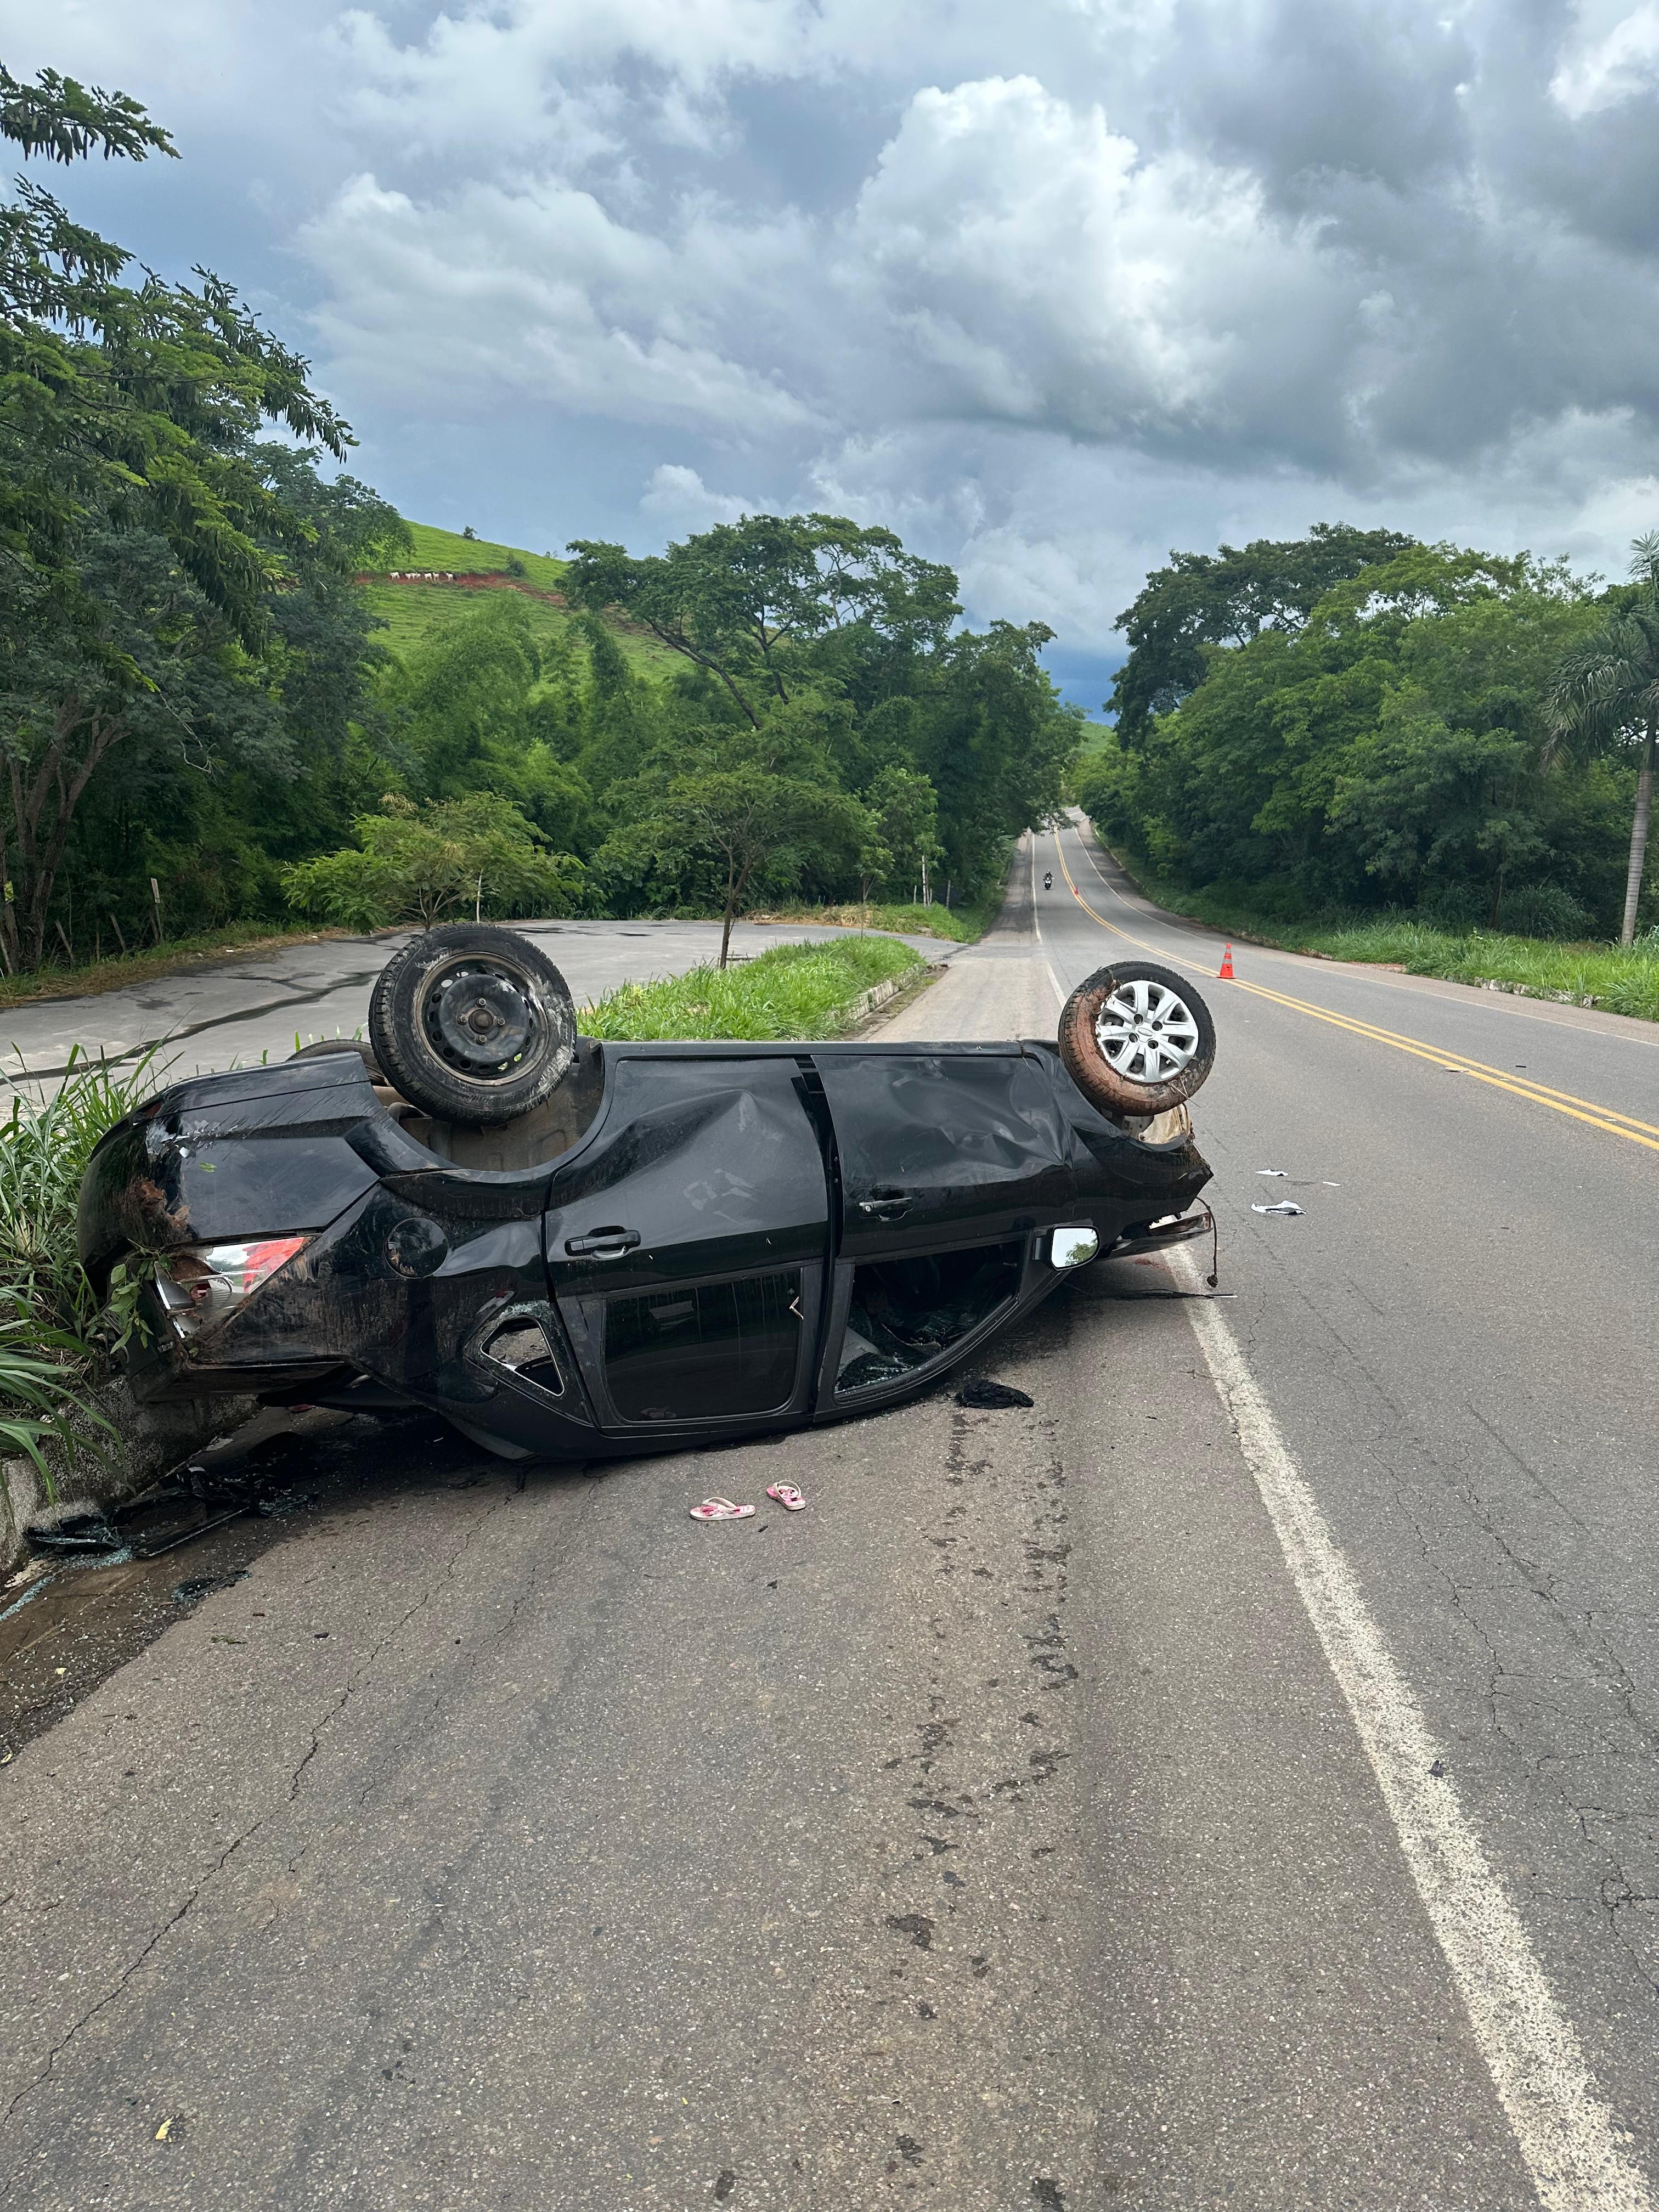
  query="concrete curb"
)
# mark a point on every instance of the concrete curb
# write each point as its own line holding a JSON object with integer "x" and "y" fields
{"x": 148, "y": 1441}
{"x": 871, "y": 1001}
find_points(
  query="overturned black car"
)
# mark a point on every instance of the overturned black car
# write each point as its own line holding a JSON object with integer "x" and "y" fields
{"x": 575, "y": 1249}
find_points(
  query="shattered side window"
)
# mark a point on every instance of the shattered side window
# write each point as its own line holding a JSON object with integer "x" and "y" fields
{"x": 704, "y": 1351}
{"x": 906, "y": 1313}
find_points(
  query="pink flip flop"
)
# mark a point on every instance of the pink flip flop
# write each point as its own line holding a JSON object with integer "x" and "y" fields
{"x": 720, "y": 1508}
{"x": 787, "y": 1495}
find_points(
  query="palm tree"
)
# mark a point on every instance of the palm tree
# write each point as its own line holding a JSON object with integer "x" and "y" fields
{"x": 1604, "y": 699}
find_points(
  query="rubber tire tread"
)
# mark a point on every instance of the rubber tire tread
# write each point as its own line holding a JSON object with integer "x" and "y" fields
{"x": 1116, "y": 1095}
{"x": 417, "y": 1072}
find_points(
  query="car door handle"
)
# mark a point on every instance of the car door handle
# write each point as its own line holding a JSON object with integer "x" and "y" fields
{"x": 887, "y": 1205}
{"x": 602, "y": 1244}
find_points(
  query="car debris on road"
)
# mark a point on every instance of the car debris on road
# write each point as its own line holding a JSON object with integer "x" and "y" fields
{"x": 576, "y": 1249}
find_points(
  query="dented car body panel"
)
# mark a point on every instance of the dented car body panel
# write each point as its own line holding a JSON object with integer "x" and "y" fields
{"x": 694, "y": 1240}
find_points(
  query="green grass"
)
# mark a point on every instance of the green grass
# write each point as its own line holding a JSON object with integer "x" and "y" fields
{"x": 1602, "y": 976}
{"x": 958, "y": 925}
{"x": 48, "y": 1308}
{"x": 471, "y": 556}
{"x": 1573, "y": 974}
{"x": 414, "y": 613}
{"x": 120, "y": 970}
{"x": 788, "y": 990}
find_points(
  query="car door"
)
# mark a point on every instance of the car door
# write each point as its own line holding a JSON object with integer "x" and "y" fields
{"x": 949, "y": 1161}
{"x": 963, "y": 1144}
{"x": 687, "y": 1242}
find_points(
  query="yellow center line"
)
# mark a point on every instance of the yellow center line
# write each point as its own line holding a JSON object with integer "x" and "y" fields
{"x": 1545, "y": 1093}
{"x": 1559, "y": 1101}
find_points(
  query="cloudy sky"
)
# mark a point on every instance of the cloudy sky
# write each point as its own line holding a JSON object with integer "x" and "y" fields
{"x": 1050, "y": 286}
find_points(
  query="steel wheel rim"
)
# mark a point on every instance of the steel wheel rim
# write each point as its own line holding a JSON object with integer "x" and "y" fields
{"x": 1145, "y": 1031}
{"x": 482, "y": 1019}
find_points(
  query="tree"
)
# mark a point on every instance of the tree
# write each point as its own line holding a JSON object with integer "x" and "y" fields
{"x": 904, "y": 813}
{"x": 126, "y": 414}
{"x": 994, "y": 740}
{"x": 1604, "y": 700}
{"x": 1228, "y": 597}
{"x": 1389, "y": 746}
{"x": 419, "y": 864}
{"x": 744, "y": 600}
{"x": 722, "y": 814}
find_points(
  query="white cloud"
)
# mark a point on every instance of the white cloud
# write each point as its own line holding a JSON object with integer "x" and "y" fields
{"x": 1033, "y": 267}
{"x": 537, "y": 295}
{"x": 677, "y": 500}
{"x": 1605, "y": 68}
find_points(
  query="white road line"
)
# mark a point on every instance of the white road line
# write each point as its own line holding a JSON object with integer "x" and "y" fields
{"x": 1036, "y": 924}
{"x": 1573, "y": 2146}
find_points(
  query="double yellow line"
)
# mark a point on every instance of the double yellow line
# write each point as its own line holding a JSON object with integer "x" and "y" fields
{"x": 1539, "y": 1094}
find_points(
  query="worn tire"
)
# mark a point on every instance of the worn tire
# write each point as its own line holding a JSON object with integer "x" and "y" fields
{"x": 1119, "y": 1090}
{"x": 472, "y": 1024}
{"x": 364, "y": 1052}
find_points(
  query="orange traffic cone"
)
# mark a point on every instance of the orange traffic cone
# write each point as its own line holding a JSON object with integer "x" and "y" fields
{"x": 1225, "y": 973}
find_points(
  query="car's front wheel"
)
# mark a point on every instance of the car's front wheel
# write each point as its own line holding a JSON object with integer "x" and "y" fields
{"x": 1136, "y": 1039}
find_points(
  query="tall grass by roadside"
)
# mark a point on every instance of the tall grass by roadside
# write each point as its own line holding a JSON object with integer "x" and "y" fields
{"x": 1605, "y": 975}
{"x": 957, "y": 925}
{"x": 1575, "y": 975}
{"x": 47, "y": 1306}
{"x": 788, "y": 991}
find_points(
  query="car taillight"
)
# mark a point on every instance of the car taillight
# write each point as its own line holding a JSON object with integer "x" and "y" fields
{"x": 204, "y": 1284}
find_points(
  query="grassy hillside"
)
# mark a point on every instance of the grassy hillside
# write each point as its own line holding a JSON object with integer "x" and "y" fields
{"x": 447, "y": 548}
{"x": 412, "y": 612}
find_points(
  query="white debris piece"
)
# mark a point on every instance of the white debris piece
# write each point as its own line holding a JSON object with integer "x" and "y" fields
{"x": 1284, "y": 1206}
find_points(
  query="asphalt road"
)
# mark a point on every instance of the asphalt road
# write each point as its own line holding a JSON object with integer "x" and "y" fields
{"x": 220, "y": 1012}
{"x": 1002, "y": 1830}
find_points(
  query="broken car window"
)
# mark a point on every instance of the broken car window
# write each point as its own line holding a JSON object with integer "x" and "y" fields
{"x": 905, "y": 1313}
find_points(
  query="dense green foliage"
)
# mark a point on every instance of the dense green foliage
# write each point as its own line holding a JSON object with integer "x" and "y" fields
{"x": 1228, "y": 599}
{"x": 181, "y": 648}
{"x": 1395, "y": 746}
{"x": 49, "y": 1342}
{"x": 1604, "y": 703}
{"x": 788, "y": 991}
{"x": 428, "y": 864}
{"x": 194, "y": 687}
{"x": 828, "y": 731}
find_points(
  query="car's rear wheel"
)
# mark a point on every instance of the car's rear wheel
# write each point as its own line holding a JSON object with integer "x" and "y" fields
{"x": 473, "y": 1025}
{"x": 1136, "y": 1038}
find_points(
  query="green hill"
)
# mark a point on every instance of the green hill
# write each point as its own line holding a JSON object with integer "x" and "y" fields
{"x": 414, "y": 610}
{"x": 447, "y": 548}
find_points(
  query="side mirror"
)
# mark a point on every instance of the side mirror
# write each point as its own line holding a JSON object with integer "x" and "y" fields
{"x": 1071, "y": 1248}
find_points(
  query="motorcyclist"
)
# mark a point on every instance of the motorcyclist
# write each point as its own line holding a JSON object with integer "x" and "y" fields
{"x": 1048, "y": 880}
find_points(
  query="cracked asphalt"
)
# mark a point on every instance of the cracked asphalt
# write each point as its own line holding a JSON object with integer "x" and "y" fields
{"x": 991, "y": 1834}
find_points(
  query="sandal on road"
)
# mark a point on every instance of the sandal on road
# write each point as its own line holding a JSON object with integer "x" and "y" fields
{"x": 720, "y": 1508}
{"x": 787, "y": 1495}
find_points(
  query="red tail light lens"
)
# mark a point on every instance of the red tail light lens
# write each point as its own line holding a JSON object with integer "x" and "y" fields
{"x": 205, "y": 1283}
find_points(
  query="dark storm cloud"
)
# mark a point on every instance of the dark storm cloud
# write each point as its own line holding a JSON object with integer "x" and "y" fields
{"x": 1050, "y": 287}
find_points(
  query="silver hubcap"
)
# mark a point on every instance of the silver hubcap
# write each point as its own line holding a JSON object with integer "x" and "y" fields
{"x": 1146, "y": 1032}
